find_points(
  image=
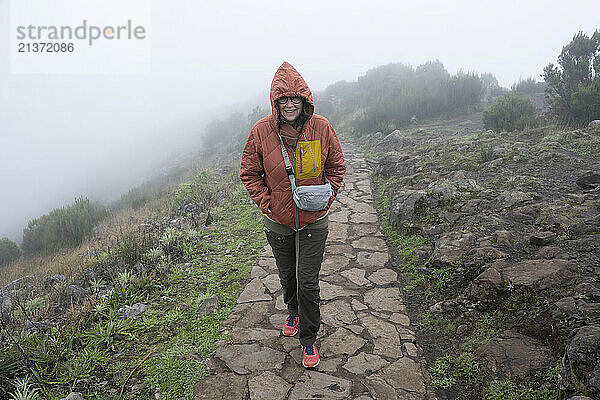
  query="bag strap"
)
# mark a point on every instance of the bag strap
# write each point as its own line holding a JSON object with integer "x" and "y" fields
{"x": 288, "y": 165}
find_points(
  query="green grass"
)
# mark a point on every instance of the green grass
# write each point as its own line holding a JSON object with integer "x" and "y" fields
{"x": 96, "y": 350}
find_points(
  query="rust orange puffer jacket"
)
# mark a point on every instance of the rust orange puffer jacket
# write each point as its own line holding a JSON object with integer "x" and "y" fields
{"x": 262, "y": 168}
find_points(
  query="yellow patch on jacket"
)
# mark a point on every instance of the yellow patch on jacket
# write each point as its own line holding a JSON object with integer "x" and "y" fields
{"x": 305, "y": 166}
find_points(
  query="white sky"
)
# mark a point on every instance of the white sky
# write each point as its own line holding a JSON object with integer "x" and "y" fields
{"x": 62, "y": 135}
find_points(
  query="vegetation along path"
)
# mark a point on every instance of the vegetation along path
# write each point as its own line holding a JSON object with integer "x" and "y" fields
{"x": 367, "y": 346}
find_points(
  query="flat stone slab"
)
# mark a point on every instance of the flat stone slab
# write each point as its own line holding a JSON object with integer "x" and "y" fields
{"x": 360, "y": 218}
{"x": 268, "y": 263}
{"x": 386, "y": 337}
{"x": 279, "y": 304}
{"x": 316, "y": 385}
{"x": 385, "y": 299}
{"x": 342, "y": 341}
{"x": 357, "y": 305}
{"x": 379, "y": 388}
{"x": 247, "y": 315}
{"x": 356, "y": 276}
{"x": 247, "y": 335}
{"x": 272, "y": 283}
{"x": 254, "y": 291}
{"x": 339, "y": 248}
{"x": 370, "y": 243}
{"x": 339, "y": 216}
{"x": 365, "y": 363}
{"x": 258, "y": 272}
{"x": 330, "y": 292}
{"x": 268, "y": 386}
{"x": 400, "y": 319}
{"x": 337, "y": 313}
{"x": 365, "y": 229}
{"x": 338, "y": 232}
{"x": 364, "y": 208}
{"x": 383, "y": 276}
{"x": 367, "y": 259}
{"x": 404, "y": 374}
{"x": 333, "y": 263}
{"x": 246, "y": 358}
{"x": 226, "y": 386}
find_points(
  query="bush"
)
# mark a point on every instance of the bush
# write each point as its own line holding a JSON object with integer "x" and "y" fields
{"x": 62, "y": 227}
{"x": 511, "y": 112}
{"x": 528, "y": 86}
{"x": 573, "y": 89}
{"x": 9, "y": 251}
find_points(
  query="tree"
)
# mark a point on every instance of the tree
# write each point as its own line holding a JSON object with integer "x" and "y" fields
{"x": 572, "y": 85}
{"x": 9, "y": 251}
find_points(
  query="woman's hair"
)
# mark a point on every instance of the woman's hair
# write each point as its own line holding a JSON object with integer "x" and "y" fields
{"x": 302, "y": 117}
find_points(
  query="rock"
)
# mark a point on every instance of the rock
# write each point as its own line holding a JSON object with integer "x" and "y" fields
{"x": 542, "y": 238}
{"x": 247, "y": 315}
{"x": 589, "y": 181}
{"x": 379, "y": 389}
{"x": 385, "y": 299}
{"x": 279, "y": 304}
{"x": 225, "y": 386}
{"x": 583, "y": 349}
{"x": 411, "y": 349}
{"x": 337, "y": 232}
{"x": 365, "y": 363}
{"x": 272, "y": 283}
{"x": 358, "y": 306}
{"x": 356, "y": 276}
{"x": 404, "y": 374}
{"x": 247, "y": 335}
{"x": 450, "y": 248}
{"x": 342, "y": 341}
{"x": 208, "y": 306}
{"x": 404, "y": 204}
{"x": 54, "y": 281}
{"x": 513, "y": 355}
{"x": 333, "y": 263}
{"x": 508, "y": 199}
{"x": 268, "y": 386}
{"x": 6, "y": 307}
{"x": 367, "y": 260}
{"x": 74, "y": 396}
{"x": 254, "y": 291}
{"x": 316, "y": 385}
{"x": 76, "y": 294}
{"x": 134, "y": 311}
{"x": 400, "y": 319}
{"x": 258, "y": 272}
{"x": 504, "y": 237}
{"x": 486, "y": 286}
{"x": 383, "y": 276}
{"x": 528, "y": 274}
{"x": 337, "y": 313}
{"x": 339, "y": 216}
{"x": 370, "y": 243}
{"x": 329, "y": 291}
{"x": 536, "y": 274}
{"x": 361, "y": 218}
{"x": 594, "y": 123}
{"x": 246, "y": 358}
{"x": 385, "y": 335}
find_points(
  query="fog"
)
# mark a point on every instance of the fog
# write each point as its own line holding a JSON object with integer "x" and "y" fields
{"x": 65, "y": 135}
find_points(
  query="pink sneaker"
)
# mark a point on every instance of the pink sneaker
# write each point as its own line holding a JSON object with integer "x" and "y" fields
{"x": 310, "y": 356}
{"x": 290, "y": 326}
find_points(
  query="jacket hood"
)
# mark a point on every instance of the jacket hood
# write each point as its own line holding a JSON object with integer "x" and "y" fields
{"x": 288, "y": 82}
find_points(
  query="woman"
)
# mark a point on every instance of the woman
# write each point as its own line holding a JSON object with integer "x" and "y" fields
{"x": 296, "y": 236}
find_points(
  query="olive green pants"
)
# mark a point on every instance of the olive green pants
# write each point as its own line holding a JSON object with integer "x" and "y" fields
{"x": 301, "y": 290}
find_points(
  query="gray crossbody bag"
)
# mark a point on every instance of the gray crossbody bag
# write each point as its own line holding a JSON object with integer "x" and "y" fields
{"x": 310, "y": 197}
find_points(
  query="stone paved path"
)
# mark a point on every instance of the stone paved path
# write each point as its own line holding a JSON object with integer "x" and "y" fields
{"x": 367, "y": 346}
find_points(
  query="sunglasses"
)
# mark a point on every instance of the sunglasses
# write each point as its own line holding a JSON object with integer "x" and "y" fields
{"x": 284, "y": 100}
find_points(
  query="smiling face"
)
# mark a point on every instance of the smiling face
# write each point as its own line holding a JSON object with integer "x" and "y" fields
{"x": 290, "y": 111}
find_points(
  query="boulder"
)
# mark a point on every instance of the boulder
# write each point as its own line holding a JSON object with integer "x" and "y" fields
{"x": 404, "y": 204}
{"x": 450, "y": 248}
{"x": 513, "y": 355}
